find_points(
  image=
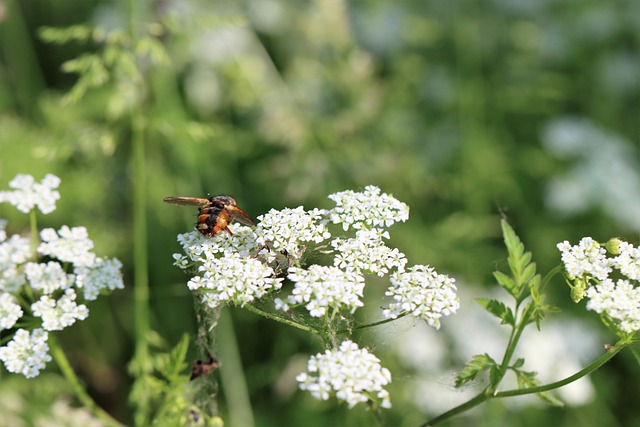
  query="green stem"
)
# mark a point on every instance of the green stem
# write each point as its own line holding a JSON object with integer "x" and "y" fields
{"x": 487, "y": 393}
{"x": 76, "y": 387}
{"x": 478, "y": 399}
{"x": 371, "y": 325}
{"x": 271, "y": 316}
{"x": 586, "y": 371}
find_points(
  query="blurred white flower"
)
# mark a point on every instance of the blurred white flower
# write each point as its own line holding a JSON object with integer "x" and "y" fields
{"x": 14, "y": 252}
{"x": 322, "y": 287}
{"x": 367, "y": 252}
{"x": 605, "y": 174}
{"x": 28, "y": 194}
{"x": 104, "y": 274}
{"x": 353, "y": 374}
{"x": 10, "y": 312}
{"x": 368, "y": 209}
{"x": 48, "y": 277}
{"x": 26, "y": 353}
{"x": 58, "y": 314}
{"x": 67, "y": 245}
{"x": 423, "y": 293}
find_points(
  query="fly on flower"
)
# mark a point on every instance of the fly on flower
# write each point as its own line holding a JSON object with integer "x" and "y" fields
{"x": 214, "y": 214}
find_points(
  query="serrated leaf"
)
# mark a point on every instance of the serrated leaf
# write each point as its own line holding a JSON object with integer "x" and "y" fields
{"x": 505, "y": 282}
{"x": 498, "y": 309}
{"x": 528, "y": 272}
{"x": 478, "y": 364}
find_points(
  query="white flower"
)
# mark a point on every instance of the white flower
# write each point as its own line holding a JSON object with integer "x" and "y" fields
{"x": 57, "y": 315}
{"x": 242, "y": 242}
{"x": 29, "y": 194}
{"x": 586, "y": 258}
{"x": 354, "y": 374}
{"x": 103, "y": 274}
{"x": 67, "y": 245}
{"x": 47, "y": 277}
{"x": 10, "y": 312}
{"x": 367, "y": 252}
{"x": 423, "y": 293}
{"x": 287, "y": 229}
{"x": 26, "y": 354}
{"x": 620, "y": 301}
{"x": 628, "y": 261}
{"x": 13, "y": 252}
{"x": 321, "y": 287}
{"x": 232, "y": 279}
{"x": 369, "y": 209}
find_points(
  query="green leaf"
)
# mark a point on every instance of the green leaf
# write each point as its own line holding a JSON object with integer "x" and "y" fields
{"x": 498, "y": 309}
{"x": 505, "y": 282}
{"x": 478, "y": 364}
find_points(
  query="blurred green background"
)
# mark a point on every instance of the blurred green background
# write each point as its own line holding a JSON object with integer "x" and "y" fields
{"x": 463, "y": 109}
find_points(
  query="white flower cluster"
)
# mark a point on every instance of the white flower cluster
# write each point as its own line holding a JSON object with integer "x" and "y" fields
{"x": 353, "y": 374}
{"x": 367, "y": 252}
{"x": 586, "y": 258}
{"x": 51, "y": 299}
{"x": 26, "y": 353}
{"x": 287, "y": 229}
{"x": 368, "y": 209}
{"x": 28, "y": 193}
{"x": 423, "y": 293}
{"x": 588, "y": 265}
{"x": 233, "y": 279}
{"x": 619, "y": 301}
{"x": 321, "y": 287}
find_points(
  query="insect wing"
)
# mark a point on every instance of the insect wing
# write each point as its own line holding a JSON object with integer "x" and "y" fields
{"x": 186, "y": 201}
{"x": 237, "y": 214}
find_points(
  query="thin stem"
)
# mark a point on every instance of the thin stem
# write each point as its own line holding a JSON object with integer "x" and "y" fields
{"x": 586, "y": 371}
{"x": 271, "y": 316}
{"x": 76, "y": 387}
{"x": 478, "y": 399}
{"x": 371, "y": 325}
{"x": 487, "y": 393}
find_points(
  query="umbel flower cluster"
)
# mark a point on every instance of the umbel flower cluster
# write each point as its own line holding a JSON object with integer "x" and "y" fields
{"x": 609, "y": 276}
{"x": 313, "y": 264}
{"x": 42, "y": 281}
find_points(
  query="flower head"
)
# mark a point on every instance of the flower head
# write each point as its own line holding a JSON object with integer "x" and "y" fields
{"x": 321, "y": 287}
{"x": 620, "y": 301}
{"x": 14, "y": 252}
{"x": 423, "y": 293}
{"x": 367, "y": 252}
{"x": 287, "y": 229}
{"x": 26, "y": 353}
{"x": 368, "y": 209}
{"x": 67, "y": 245}
{"x": 58, "y": 314}
{"x": 10, "y": 312}
{"x": 47, "y": 277}
{"x": 233, "y": 279}
{"x": 586, "y": 258}
{"x": 353, "y": 374}
{"x": 103, "y": 274}
{"x": 28, "y": 194}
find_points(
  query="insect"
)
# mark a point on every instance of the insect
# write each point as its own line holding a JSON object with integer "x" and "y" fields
{"x": 214, "y": 214}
